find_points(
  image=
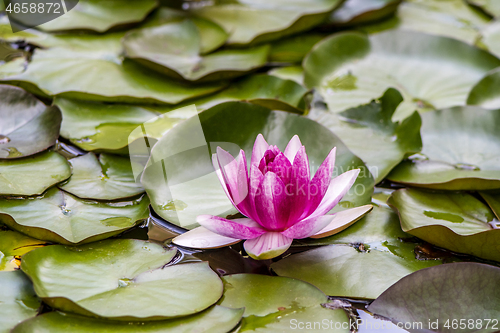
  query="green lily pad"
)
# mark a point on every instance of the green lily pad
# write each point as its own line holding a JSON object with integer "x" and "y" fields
{"x": 370, "y": 133}
{"x": 108, "y": 177}
{"x": 183, "y": 156}
{"x": 459, "y": 297}
{"x": 91, "y": 68}
{"x": 293, "y": 73}
{"x": 460, "y": 151}
{"x": 18, "y": 301}
{"x": 252, "y": 22}
{"x": 261, "y": 89}
{"x": 485, "y": 93}
{"x": 431, "y": 72}
{"x": 278, "y": 304}
{"x": 353, "y": 12}
{"x": 13, "y": 245}
{"x": 32, "y": 175}
{"x": 28, "y": 126}
{"x": 111, "y": 127}
{"x": 491, "y": 38}
{"x": 365, "y": 260}
{"x": 452, "y": 220}
{"x": 492, "y": 198}
{"x": 491, "y": 7}
{"x": 121, "y": 279}
{"x": 293, "y": 49}
{"x": 99, "y": 15}
{"x": 175, "y": 49}
{"x": 62, "y": 218}
{"x": 214, "y": 320}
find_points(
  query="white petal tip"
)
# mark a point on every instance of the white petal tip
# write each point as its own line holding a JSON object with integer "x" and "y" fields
{"x": 343, "y": 220}
{"x": 202, "y": 238}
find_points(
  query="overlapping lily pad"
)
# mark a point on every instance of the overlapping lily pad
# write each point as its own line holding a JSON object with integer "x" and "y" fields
{"x": 453, "y": 220}
{"x": 294, "y": 73}
{"x": 121, "y": 279}
{"x": 108, "y": 177}
{"x": 91, "y": 68}
{"x": 215, "y": 319}
{"x": 175, "y": 49}
{"x": 370, "y": 133}
{"x": 62, "y": 218}
{"x": 460, "y": 151}
{"x": 293, "y": 49}
{"x": 32, "y": 175}
{"x": 364, "y": 261}
{"x": 252, "y": 22}
{"x": 491, "y": 7}
{"x": 183, "y": 156}
{"x": 458, "y": 297}
{"x": 18, "y": 301}
{"x": 485, "y": 93}
{"x": 12, "y": 246}
{"x": 274, "y": 304}
{"x": 353, "y": 12}
{"x": 28, "y": 126}
{"x": 430, "y": 72}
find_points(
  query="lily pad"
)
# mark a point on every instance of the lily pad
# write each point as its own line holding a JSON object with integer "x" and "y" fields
{"x": 364, "y": 261}
{"x": 121, "y": 279}
{"x": 293, "y": 73}
{"x": 460, "y": 151}
{"x": 108, "y": 177}
{"x": 91, "y": 68}
{"x": 18, "y": 301}
{"x": 62, "y": 218}
{"x": 183, "y": 156}
{"x": 32, "y": 175}
{"x": 252, "y": 22}
{"x": 452, "y": 220}
{"x": 371, "y": 134}
{"x": 213, "y": 320}
{"x": 353, "y": 12}
{"x": 99, "y": 15}
{"x": 431, "y": 72}
{"x": 28, "y": 126}
{"x": 175, "y": 49}
{"x": 485, "y": 93}
{"x": 293, "y": 49}
{"x": 13, "y": 245}
{"x": 277, "y": 304}
{"x": 458, "y": 298}
{"x": 491, "y": 7}
{"x": 111, "y": 127}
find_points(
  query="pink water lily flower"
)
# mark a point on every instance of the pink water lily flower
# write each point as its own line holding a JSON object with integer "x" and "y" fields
{"x": 279, "y": 198}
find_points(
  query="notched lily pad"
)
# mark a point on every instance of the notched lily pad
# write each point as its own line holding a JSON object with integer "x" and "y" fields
{"x": 13, "y": 245}
{"x": 485, "y": 93}
{"x": 28, "y": 126}
{"x": 62, "y": 218}
{"x": 122, "y": 280}
{"x": 460, "y": 151}
{"x": 32, "y": 175}
{"x": 452, "y": 220}
{"x": 108, "y": 177}
{"x": 353, "y": 12}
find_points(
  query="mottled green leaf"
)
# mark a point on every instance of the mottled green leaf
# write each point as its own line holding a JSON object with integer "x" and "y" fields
{"x": 12, "y": 246}
{"x": 353, "y": 12}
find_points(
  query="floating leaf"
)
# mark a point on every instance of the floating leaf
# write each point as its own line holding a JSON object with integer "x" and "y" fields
{"x": 121, "y": 279}
{"x": 455, "y": 221}
{"x": 366, "y": 259}
{"x": 215, "y": 319}
{"x": 293, "y": 49}
{"x": 353, "y": 12}
{"x": 491, "y": 7}
{"x": 485, "y": 93}
{"x": 183, "y": 157}
{"x": 459, "y": 297}
{"x": 276, "y": 304}
{"x": 12, "y": 246}
{"x": 460, "y": 151}
{"x": 293, "y": 73}
{"x": 370, "y": 133}
{"x": 18, "y": 301}
{"x": 431, "y": 72}
{"x": 28, "y": 126}
{"x": 32, "y": 175}
{"x": 62, "y": 218}
{"x": 107, "y": 178}
{"x": 259, "y": 21}
{"x": 175, "y": 49}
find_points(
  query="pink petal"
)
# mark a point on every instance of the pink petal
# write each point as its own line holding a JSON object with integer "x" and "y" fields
{"x": 342, "y": 220}
{"x": 299, "y": 186}
{"x": 259, "y": 148}
{"x": 267, "y": 246}
{"x": 339, "y": 186}
{"x": 308, "y": 227}
{"x": 271, "y": 203}
{"x": 202, "y": 238}
{"x": 282, "y": 167}
{"x": 319, "y": 184}
{"x": 292, "y": 148}
{"x": 237, "y": 228}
